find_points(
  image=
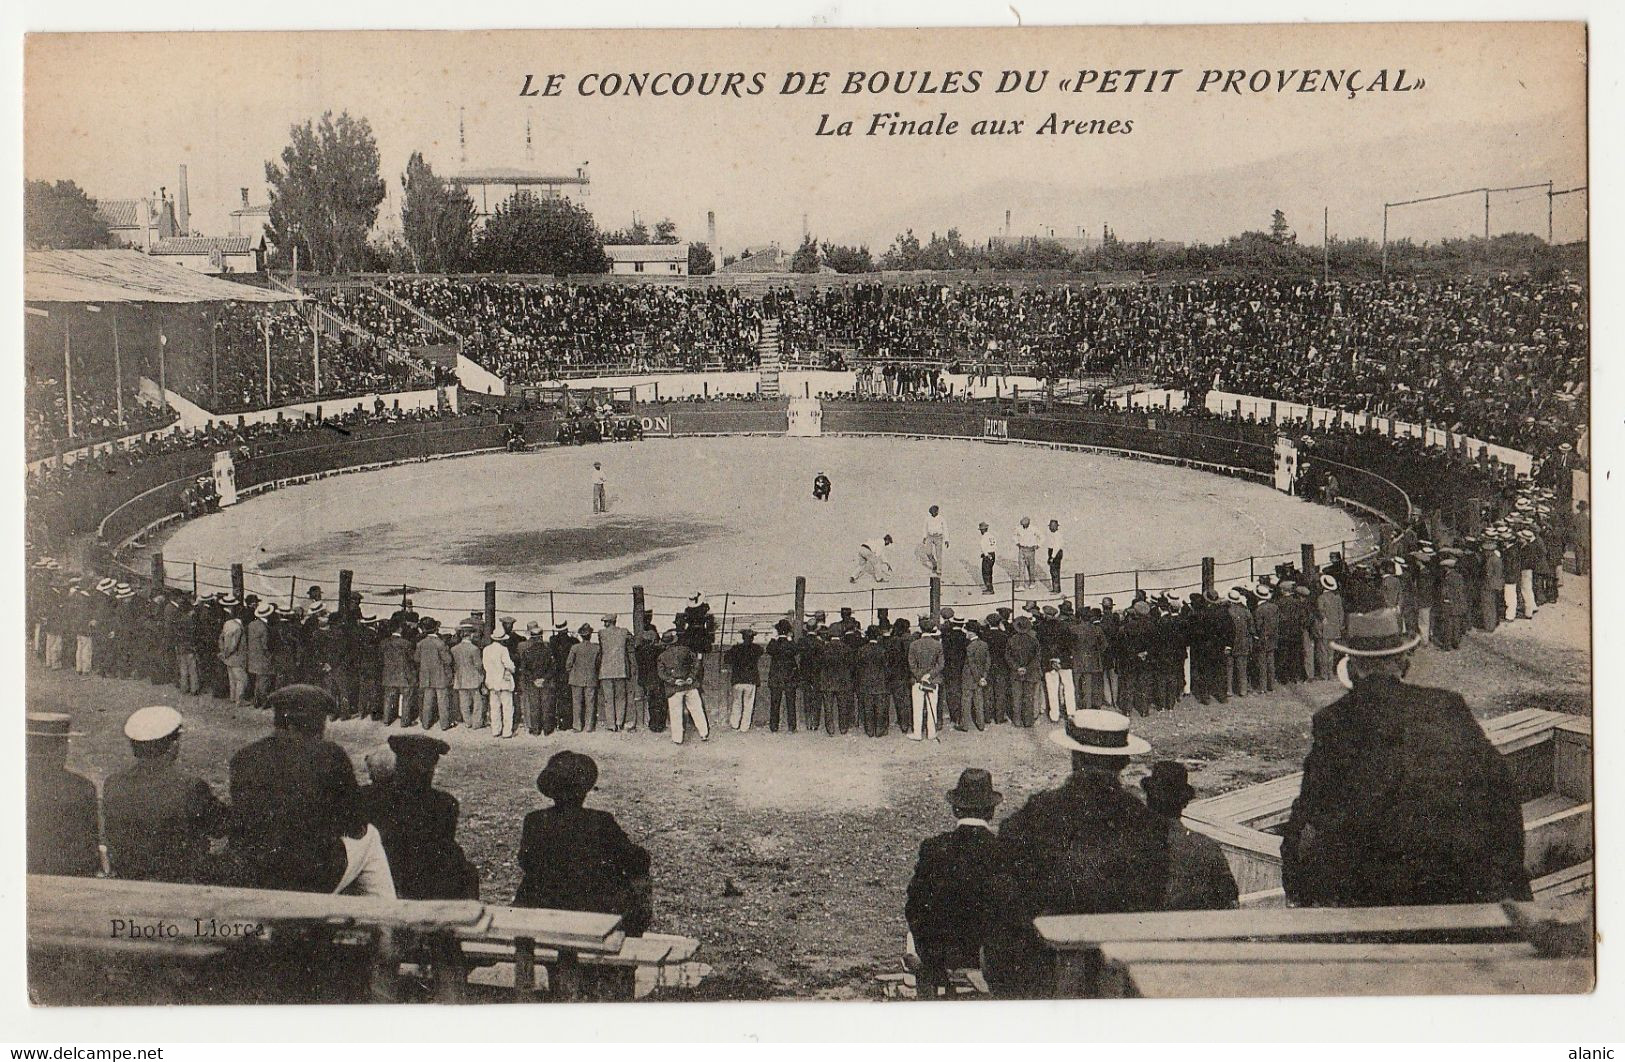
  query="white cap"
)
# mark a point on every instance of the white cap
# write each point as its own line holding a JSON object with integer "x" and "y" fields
{"x": 153, "y": 723}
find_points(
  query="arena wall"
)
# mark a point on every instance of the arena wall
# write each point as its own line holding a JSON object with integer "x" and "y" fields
{"x": 152, "y": 492}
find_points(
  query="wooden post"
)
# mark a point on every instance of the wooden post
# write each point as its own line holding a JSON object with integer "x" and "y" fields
{"x": 872, "y": 613}
{"x": 1077, "y": 592}
{"x": 524, "y": 966}
{"x": 722, "y": 625}
{"x": 346, "y": 581}
{"x": 1207, "y": 574}
{"x": 936, "y": 596}
{"x": 160, "y": 579}
{"x": 195, "y": 587}
{"x": 552, "y": 613}
{"x": 1252, "y": 568}
{"x": 1136, "y": 579}
{"x": 237, "y": 581}
{"x": 798, "y": 613}
{"x": 637, "y": 611}
{"x": 490, "y": 605}
{"x": 1307, "y": 558}
{"x": 293, "y": 589}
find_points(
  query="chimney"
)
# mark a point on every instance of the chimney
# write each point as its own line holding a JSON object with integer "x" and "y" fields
{"x": 245, "y": 198}
{"x": 804, "y": 228}
{"x": 711, "y": 230}
{"x": 1007, "y": 224}
{"x": 184, "y": 205}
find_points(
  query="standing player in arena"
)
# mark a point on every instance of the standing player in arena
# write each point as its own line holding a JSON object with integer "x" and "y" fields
{"x": 600, "y": 502}
{"x": 936, "y": 541}
{"x": 821, "y": 487}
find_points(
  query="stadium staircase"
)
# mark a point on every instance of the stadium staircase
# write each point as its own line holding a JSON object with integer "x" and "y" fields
{"x": 770, "y": 358}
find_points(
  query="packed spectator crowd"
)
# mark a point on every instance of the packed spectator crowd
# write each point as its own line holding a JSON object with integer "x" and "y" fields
{"x": 350, "y": 364}
{"x": 96, "y": 415}
{"x": 530, "y": 333}
{"x": 1503, "y": 359}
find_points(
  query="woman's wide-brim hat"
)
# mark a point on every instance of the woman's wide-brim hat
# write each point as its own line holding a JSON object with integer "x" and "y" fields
{"x": 1100, "y": 733}
{"x": 567, "y": 774}
{"x": 1379, "y": 633}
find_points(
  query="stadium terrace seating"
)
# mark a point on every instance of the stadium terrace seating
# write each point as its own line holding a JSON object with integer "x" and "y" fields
{"x": 1503, "y": 359}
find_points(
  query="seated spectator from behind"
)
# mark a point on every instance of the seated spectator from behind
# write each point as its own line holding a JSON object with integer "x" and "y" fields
{"x": 1404, "y": 800}
{"x": 418, "y": 822}
{"x": 577, "y": 859}
{"x": 63, "y": 836}
{"x": 952, "y": 895}
{"x": 158, "y": 817}
{"x": 297, "y": 818}
{"x": 1199, "y": 877}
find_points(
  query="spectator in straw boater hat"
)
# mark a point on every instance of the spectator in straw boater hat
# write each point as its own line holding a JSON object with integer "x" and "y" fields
{"x": 1085, "y": 847}
{"x": 1404, "y": 800}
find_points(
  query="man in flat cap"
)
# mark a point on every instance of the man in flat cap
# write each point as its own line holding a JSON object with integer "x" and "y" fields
{"x": 1085, "y": 847}
{"x": 952, "y": 896}
{"x": 418, "y": 823}
{"x": 297, "y": 819}
{"x": 1404, "y": 800}
{"x": 158, "y": 818}
{"x": 63, "y": 834}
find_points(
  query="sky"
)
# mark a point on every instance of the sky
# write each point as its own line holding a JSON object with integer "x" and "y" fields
{"x": 1500, "y": 104}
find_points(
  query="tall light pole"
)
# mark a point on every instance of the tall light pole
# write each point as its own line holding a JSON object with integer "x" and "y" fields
{"x": 118, "y": 369}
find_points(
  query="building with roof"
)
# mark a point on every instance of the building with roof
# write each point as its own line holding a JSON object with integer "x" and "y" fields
{"x": 491, "y": 187}
{"x": 253, "y": 216}
{"x": 213, "y": 254}
{"x": 138, "y": 223}
{"x": 768, "y": 260}
{"x": 647, "y": 259}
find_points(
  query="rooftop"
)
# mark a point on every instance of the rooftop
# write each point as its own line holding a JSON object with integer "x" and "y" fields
{"x": 122, "y": 213}
{"x": 647, "y": 252}
{"x": 204, "y": 245}
{"x": 128, "y": 276}
{"x": 506, "y": 176}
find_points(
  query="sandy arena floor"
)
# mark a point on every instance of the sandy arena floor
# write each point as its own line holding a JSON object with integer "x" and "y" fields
{"x": 737, "y": 515}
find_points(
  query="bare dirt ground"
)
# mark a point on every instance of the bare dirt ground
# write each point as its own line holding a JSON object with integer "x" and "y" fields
{"x": 788, "y": 856}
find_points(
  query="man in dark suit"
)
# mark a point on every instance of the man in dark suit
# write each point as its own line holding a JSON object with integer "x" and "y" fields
{"x": 952, "y": 897}
{"x": 1085, "y": 847}
{"x": 579, "y": 859}
{"x": 1404, "y": 800}
{"x": 1199, "y": 877}
{"x": 158, "y": 817}
{"x": 63, "y": 835}
{"x": 294, "y": 799}
{"x": 418, "y": 823}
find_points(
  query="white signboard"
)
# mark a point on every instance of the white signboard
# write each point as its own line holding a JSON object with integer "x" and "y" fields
{"x": 806, "y": 418}
{"x": 225, "y": 478}
{"x": 1286, "y": 463}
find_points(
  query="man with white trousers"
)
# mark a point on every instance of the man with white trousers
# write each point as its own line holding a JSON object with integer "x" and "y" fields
{"x": 499, "y": 686}
{"x": 925, "y": 665}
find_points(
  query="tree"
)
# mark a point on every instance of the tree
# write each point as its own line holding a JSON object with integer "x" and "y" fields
{"x": 530, "y": 235}
{"x": 904, "y": 252}
{"x": 665, "y": 231}
{"x": 637, "y": 235}
{"x": 700, "y": 260}
{"x": 845, "y": 259}
{"x": 1279, "y": 232}
{"x": 805, "y": 260}
{"x": 325, "y": 194}
{"x": 437, "y": 218}
{"x": 60, "y": 217}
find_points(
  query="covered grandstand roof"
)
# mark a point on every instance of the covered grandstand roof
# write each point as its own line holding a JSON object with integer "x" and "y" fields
{"x": 128, "y": 276}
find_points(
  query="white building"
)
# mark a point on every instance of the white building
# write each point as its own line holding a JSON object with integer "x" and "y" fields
{"x": 213, "y": 254}
{"x": 648, "y": 259}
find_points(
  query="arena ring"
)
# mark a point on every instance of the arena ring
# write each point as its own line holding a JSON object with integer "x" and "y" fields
{"x": 1224, "y": 448}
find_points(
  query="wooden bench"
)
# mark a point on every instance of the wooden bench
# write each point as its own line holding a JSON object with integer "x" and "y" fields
{"x": 107, "y": 940}
{"x": 1452, "y": 949}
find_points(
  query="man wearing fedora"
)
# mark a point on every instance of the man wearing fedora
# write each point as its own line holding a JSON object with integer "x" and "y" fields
{"x": 1404, "y": 800}
{"x": 1085, "y": 847}
{"x": 158, "y": 818}
{"x": 1024, "y": 660}
{"x": 417, "y": 822}
{"x": 1199, "y": 877}
{"x": 925, "y": 666}
{"x": 63, "y": 834}
{"x": 953, "y": 896}
{"x": 742, "y": 662}
{"x": 573, "y": 858}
